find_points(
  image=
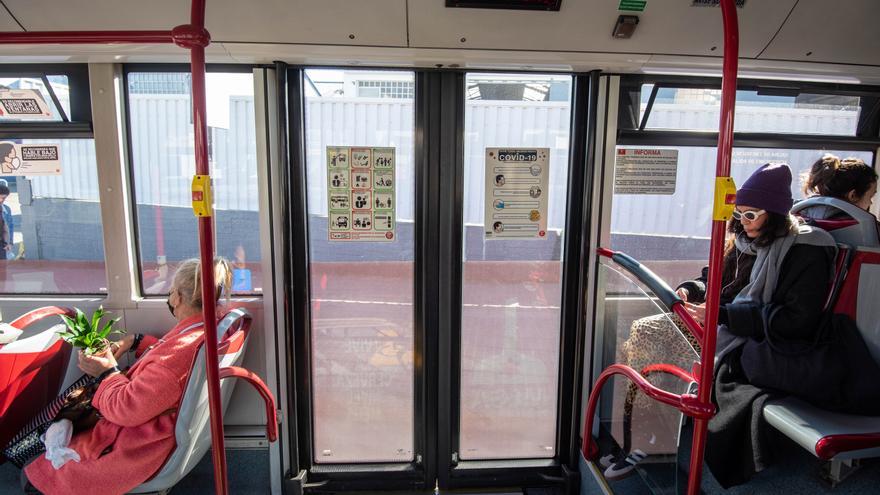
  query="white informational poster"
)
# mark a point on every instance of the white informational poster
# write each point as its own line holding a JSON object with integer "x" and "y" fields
{"x": 29, "y": 159}
{"x": 645, "y": 171}
{"x": 516, "y": 193}
{"x": 360, "y": 193}
{"x": 23, "y": 104}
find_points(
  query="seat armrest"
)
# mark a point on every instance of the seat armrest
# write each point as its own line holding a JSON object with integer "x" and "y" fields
{"x": 38, "y": 314}
{"x": 263, "y": 390}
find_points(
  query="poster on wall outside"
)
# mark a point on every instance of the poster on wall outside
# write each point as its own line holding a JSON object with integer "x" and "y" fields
{"x": 645, "y": 171}
{"x": 30, "y": 159}
{"x": 360, "y": 193}
{"x": 516, "y": 193}
{"x": 23, "y": 104}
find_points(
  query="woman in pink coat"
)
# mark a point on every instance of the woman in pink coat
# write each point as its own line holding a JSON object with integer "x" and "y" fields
{"x": 135, "y": 435}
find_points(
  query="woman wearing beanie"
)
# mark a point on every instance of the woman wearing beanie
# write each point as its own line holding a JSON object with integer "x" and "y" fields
{"x": 786, "y": 291}
{"x": 769, "y": 261}
{"x": 750, "y": 277}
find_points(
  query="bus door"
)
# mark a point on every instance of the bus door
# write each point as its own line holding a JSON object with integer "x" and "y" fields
{"x": 432, "y": 213}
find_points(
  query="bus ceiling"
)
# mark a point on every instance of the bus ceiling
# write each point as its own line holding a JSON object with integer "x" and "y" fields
{"x": 786, "y": 39}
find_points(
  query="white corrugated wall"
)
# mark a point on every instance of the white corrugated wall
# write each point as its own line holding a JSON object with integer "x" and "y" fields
{"x": 163, "y": 155}
{"x": 492, "y": 124}
{"x": 359, "y": 122}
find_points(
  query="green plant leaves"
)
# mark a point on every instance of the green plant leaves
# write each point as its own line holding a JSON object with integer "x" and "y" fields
{"x": 87, "y": 333}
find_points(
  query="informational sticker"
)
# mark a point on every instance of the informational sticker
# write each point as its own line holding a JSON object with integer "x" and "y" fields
{"x": 360, "y": 193}
{"x": 23, "y": 104}
{"x": 645, "y": 171}
{"x": 29, "y": 159}
{"x": 516, "y": 193}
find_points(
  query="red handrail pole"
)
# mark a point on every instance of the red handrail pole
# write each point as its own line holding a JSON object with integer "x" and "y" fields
{"x": 716, "y": 250}
{"x": 196, "y": 38}
{"x": 690, "y": 324}
{"x": 206, "y": 244}
{"x": 263, "y": 390}
{"x": 85, "y": 37}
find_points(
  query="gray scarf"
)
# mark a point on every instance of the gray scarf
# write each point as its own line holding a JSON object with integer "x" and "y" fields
{"x": 765, "y": 274}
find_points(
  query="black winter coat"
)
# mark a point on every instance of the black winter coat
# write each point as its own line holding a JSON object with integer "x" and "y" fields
{"x": 738, "y": 446}
{"x": 802, "y": 289}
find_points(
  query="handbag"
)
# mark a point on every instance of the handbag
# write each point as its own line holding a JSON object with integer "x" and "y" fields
{"x": 75, "y": 404}
{"x": 814, "y": 371}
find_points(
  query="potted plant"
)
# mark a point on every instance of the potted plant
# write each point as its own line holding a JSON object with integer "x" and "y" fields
{"x": 88, "y": 334}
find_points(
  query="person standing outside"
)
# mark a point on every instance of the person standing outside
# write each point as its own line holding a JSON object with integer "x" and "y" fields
{"x": 6, "y": 218}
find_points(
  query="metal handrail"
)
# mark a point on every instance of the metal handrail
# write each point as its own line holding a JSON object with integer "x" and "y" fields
{"x": 658, "y": 286}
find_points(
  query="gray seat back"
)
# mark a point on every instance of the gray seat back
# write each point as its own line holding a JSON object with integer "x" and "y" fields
{"x": 863, "y": 233}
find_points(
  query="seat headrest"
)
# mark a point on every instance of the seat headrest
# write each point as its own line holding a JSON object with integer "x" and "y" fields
{"x": 846, "y": 222}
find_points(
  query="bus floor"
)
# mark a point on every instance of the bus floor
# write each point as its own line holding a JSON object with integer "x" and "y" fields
{"x": 248, "y": 475}
{"x": 795, "y": 472}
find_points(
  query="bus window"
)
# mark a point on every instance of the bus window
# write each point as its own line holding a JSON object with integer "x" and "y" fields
{"x": 163, "y": 163}
{"x": 670, "y": 232}
{"x": 54, "y": 222}
{"x": 58, "y": 84}
{"x": 697, "y": 109}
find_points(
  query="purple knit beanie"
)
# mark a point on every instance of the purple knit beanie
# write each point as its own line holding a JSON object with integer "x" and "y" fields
{"x": 768, "y": 188}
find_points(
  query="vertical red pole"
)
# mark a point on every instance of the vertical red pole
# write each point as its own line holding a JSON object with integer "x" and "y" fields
{"x": 206, "y": 243}
{"x": 716, "y": 250}
{"x": 195, "y": 37}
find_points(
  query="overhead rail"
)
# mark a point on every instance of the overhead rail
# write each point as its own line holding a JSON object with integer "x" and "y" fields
{"x": 195, "y": 38}
{"x": 699, "y": 406}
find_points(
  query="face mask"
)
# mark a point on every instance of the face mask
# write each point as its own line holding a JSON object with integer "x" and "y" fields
{"x": 170, "y": 307}
{"x": 16, "y": 162}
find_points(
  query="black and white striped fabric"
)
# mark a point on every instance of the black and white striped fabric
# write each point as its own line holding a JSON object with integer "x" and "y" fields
{"x": 27, "y": 443}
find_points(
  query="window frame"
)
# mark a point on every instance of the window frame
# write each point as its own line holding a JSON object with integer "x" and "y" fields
{"x": 133, "y": 68}
{"x": 77, "y": 125}
{"x": 439, "y": 121}
{"x": 632, "y": 132}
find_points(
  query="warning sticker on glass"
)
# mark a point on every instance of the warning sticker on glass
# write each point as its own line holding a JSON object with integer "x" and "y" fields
{"x": 23, "y": 104}
{"x": 29, "y": 159}
{"x": 645, "y": 171}
{"x": 360, "y": 193}
{"x": 516, "y": 193}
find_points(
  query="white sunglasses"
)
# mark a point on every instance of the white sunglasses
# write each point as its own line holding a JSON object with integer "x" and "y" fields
{"x": 748, "y": 215}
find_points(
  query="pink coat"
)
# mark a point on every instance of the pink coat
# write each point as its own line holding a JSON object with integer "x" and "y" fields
{"x": 136, "y": 434}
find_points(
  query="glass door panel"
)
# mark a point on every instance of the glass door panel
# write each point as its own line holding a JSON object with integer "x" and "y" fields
{"x": 512, "y": 263}
{"x": 360, "y": 179}
{"x": 636, "y": 330}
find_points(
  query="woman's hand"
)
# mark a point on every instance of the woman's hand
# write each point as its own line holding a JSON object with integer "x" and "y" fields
{"x": 94, "y": 365}
{"x": 697, "y": 311}
{"x": 682, "y": 294}
{"x": 121, "y": 346}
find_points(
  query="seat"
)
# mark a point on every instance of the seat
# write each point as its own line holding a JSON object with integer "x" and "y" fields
{"x": 847, "y": 223}
{"x": 828, "y": 435}
{"x": 192, "y": 431}
{"x": 32, "y": 367}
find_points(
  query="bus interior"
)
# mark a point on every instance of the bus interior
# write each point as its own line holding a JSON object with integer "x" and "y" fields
{"x": 412, "y": 310}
